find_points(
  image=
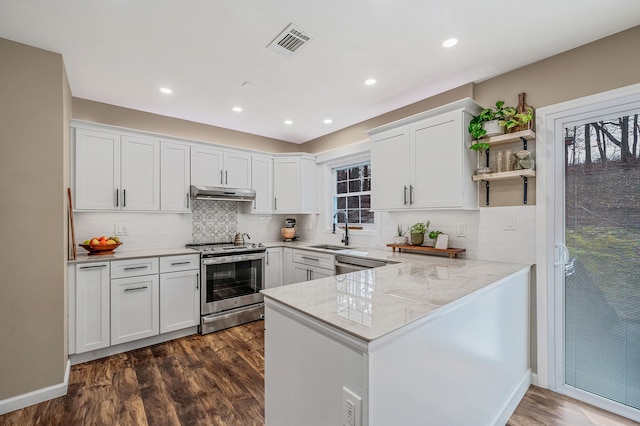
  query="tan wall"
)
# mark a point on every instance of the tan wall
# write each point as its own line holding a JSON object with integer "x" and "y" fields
{"x": 32, "y": 230}
{"x": 87, "y": 110}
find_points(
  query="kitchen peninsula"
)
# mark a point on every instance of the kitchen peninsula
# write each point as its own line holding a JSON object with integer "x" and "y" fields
{"x": 428, "y": 341}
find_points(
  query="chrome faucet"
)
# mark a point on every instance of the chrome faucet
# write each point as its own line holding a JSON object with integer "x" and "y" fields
{"x": 345, "y": 240}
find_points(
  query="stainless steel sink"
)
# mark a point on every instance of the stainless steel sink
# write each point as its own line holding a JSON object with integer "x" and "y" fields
{"x": 329, "y": 247}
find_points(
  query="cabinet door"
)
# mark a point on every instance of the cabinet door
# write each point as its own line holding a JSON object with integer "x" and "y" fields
{"x": 317, "y": 273}
{"x": 262, "y": 183}
{"x": 140, "y": 174}
{"x": 237, "y": 170}
{"x": 437, "y": 163}
{"x": 287, "y": 266}
{"x": 301, "y": 273}
{"x": 134, "y": 308}
{"x": 286, "y": 185}
{"x": 92, "y": 306}
{"x": 274, "y": 273}
{"x": 174, "y": 177}
{"x": 390, "y": 170}
{"x": 206, "y": 166}
{"x": 179, "y": 300}
{"x": 97, "y": 170}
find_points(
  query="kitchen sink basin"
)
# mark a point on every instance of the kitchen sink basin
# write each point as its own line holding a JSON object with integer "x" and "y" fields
{"x": 329, "y": 247}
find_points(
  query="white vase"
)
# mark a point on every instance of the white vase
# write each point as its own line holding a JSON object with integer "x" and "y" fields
{"x": 399, "y": 240}
{"x": 493, "y": 128}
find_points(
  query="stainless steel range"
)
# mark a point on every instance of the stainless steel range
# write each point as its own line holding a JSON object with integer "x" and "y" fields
{"x": 231, "y": 279}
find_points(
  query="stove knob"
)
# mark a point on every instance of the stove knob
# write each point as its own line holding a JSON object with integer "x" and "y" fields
{"x": 260, "y": 245}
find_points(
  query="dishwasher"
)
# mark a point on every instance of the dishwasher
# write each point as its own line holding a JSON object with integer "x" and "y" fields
{"x": 345, "y": 264}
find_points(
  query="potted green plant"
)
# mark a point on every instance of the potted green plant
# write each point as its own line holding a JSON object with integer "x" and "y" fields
{"x": 491, "y": 121}
{"x": 433, "y": 235}
{"x": 417, "y": 232}
{"x": 399, "y": 238}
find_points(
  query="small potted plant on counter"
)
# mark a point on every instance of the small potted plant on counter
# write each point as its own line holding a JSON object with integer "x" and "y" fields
{"x": 417, "y": 232}
{"x": 399, "y": 238}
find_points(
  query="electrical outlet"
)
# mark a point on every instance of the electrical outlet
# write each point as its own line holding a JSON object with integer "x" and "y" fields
{"x": 510, "y": 223}
{"x": 461, "y": 229}
{"x": 121, "y": 229}
{"x": 351, "y": 408}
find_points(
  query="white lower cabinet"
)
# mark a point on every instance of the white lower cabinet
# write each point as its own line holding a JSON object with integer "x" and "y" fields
{"x": 303, "y": 273}
{"x": 273, "y": 271}
{"x": 91, "y": 306}
{"x": 179, "y": 300}
{"x": 134, "y": 308}
{"x": 287, "y": 266}
{"x": 309, "y": 265}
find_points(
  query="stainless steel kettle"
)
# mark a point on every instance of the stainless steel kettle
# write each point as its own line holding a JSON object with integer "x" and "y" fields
{"x": 239, "y": 239}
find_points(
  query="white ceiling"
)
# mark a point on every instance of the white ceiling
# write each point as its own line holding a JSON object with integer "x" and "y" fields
{"x": 122, "y": 51}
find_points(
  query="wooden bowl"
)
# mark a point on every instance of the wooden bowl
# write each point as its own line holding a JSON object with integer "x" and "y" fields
{"x": 100, "y": 248}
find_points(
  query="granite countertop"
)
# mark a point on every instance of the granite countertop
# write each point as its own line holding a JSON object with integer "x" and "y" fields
{"x": 372, "y": 303}
{"x": 130, "y": 254}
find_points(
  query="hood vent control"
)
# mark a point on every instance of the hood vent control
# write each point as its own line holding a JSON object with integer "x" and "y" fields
{"x": 290, "y": 40}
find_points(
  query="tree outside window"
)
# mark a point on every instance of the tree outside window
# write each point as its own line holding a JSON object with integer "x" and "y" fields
{"x": 353, "y": 194}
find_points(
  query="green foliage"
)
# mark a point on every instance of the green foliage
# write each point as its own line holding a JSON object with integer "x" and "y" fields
{"x": 507, "y": 117}
{"x": 482, "y": 147}
{"x": 434, "y": 234}
{"x": 420, "y": 227}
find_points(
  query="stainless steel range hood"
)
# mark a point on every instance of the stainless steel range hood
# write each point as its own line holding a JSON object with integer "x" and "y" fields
{"x": 200, "y": 192}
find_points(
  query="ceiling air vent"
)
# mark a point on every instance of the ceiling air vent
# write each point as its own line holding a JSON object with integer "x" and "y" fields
{"x": 290, "y": 40}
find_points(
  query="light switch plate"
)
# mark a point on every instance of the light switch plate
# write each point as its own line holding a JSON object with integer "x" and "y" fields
{"x": 510, "y": 222}
{"x": 121, "y": 229}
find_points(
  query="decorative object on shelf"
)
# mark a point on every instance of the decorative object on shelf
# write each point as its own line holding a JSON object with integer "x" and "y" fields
{"x": 399, "y": 238}
{"x": 500, "y": 165}
{"x": 442, "y": 242}
{"x": 490, "y": 121}
{"x": 433, "y": 235}
{"x": 523, "y": 160}
{"x": 481, "y": 148}
{"x": 526, "y": 111}
{"x": 508, "y": 159}
{"x": 417, "y": 232}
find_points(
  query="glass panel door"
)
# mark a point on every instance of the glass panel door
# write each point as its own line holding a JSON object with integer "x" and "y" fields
{"x": 602, "y": 274}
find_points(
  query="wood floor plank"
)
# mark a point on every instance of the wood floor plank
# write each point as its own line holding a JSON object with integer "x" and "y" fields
{"x": 218, "y": 379}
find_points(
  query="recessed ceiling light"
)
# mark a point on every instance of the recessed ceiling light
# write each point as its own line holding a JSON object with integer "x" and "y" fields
{"x": 237, "y": 109}
{"x": 166, "y": 90}
{"x": 370, "y": 82}
{"x": 288, "y": 122}
{"x": 450, "y": 42}
{"x": 328, "y": 121}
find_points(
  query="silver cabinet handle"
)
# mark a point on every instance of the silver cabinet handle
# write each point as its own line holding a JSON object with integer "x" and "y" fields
{"x": 187, "y": 200}
{"x": 136, "y": 288}
{"x": 405, "y": 195}
{"x": 135, "y": 268}
{"x": 267, "y": 258}
{"x": 117, "y": 197}
{"x": 410, "y": 194}
{"x": 94, "y": 266}
{"x": 180, "y": 263}
{"x": 221, "y": 180}
{"x": 275, "y": 203}
{"x": 226, "y": 180}
{"x": 310, "y": 258}
{"x": 124, "y": 198}
{"x": 198, "y": 281}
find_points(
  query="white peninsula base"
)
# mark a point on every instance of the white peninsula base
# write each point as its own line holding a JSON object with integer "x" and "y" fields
{"x": 464, "y": 363}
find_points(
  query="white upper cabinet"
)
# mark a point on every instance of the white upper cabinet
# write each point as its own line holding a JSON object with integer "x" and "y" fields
{"x": 140, "y": 173}
{"x": 174, "y": 177}
{"x": 423, "y": 161}
{"x": 262, "y": 183}
{"x": 216, "y": 167}
{"x": 295, "y": 184}
{"x": 116, "y": 172}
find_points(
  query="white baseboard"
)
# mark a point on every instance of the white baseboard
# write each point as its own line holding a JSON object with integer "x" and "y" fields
{"x": 37, "y": 396}
{"x": 514, "y": 399}
{"x": 534, "y": 379}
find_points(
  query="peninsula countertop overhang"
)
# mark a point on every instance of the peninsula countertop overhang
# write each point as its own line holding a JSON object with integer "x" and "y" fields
{"x": 372, "y": 303}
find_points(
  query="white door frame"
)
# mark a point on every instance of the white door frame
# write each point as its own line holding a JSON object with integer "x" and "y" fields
{"x": 550, "y": 123}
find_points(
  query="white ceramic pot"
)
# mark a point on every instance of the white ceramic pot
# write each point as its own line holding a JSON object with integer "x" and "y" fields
{"x": 399, "y": 240}
{"x": 493, "y": 128}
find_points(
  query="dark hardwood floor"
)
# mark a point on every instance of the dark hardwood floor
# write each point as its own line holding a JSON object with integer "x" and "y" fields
{"x": 218, "y": 379}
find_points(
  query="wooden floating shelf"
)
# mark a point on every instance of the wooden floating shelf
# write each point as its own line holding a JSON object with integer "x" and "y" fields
{"x": 451, "y": 252}
{"x": 504, "y": 175}
{"x": 510, "y": 138}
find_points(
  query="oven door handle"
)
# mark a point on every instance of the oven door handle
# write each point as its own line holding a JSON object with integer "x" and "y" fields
{"x": 232, "y": 258}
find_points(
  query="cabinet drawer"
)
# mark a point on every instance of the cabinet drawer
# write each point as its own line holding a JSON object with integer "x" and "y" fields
{"x": 134, "y": 267}
{"x": 313, "y": 258}
{"x": 179, "y": 263}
